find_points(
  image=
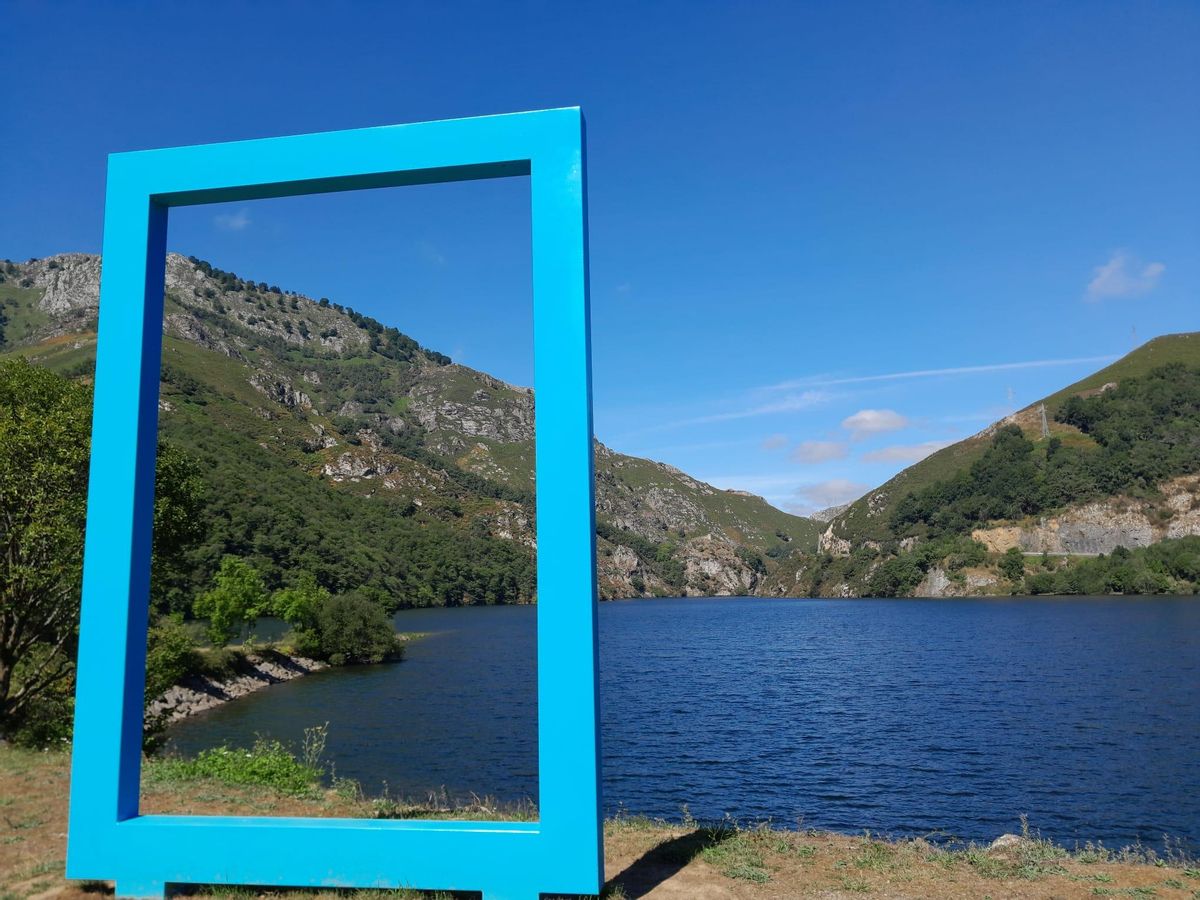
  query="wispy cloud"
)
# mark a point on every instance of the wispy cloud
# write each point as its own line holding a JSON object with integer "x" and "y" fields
{"x": 868, "y": 422}
{"x": 770, "y": 483}
{"x": 656, "y": 452}
{"x": 238, "y": 220}
{"x": 822, "y": 381}
{"x": 905, "y": 453}
{"x": 808, "y": 498}
{"x": 774, "y": 442}
{"x": 813, "y": 452}
{"x": 1123, "y": 276}
{"x": 430, "y": 253}
{"x": 791, "y": 403}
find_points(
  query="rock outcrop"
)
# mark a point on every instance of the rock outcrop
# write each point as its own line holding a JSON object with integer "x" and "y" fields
{"x": 197, "y": 693}
{"x": 1104, "y": 525}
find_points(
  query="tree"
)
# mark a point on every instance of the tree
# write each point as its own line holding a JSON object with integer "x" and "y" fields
{"x": 170, "y": 655}
{"x": 1012, "y": 564}
{"x": 298, "y": 605}
{"x": 44, "y": 446}
{"x": 43, "y": 486}
{"x": 179, "y": 498}
{"x": 237, "y": 597}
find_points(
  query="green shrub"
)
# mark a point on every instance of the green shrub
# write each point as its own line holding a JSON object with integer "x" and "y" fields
{"x": 352, "y": 629}
{"x": 171, "y": 654}
{"x": 46, "y": 720}
{"x": 1168, "y": 567}
{"x": 1012, "y": 564}
{"x": 267, "y": 764}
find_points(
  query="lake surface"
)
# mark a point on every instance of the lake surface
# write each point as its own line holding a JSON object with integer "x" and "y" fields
{"x": 901, "y": 716}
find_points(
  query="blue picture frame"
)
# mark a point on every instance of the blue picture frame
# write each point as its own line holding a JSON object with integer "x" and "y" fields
{"x": 562, "y": 852}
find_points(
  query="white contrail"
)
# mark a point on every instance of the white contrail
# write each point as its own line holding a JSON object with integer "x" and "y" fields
{"x": 933, "y": 373}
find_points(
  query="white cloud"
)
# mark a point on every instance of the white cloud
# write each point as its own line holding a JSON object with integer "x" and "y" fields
{"x": 232, "y": 221}
{"x": 867, "y": 422}
{"x": 1123, "y": 276}
{"x": 907, "y": 453}
{"x": 774, "y": 442}
{"x": 812, "y": 452}
{"x": 808, "y": 498}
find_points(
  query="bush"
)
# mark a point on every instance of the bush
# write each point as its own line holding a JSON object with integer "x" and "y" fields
{"x": 1168, "y": 567}
{"x": 267, "y": 764}
{"x": 1012, "y": 564}
{"x": 171, "y": 654}
{"x": 46, "y": 720}
{"x": 352, "y": 629}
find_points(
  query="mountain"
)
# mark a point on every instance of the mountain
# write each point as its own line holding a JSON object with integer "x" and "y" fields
{"x": 334, "y": 444}
{"x": 1117, "y": 471}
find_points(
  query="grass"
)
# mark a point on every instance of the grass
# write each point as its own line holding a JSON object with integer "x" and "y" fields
{"x": 645, "y": 858}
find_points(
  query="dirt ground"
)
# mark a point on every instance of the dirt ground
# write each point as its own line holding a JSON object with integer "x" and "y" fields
{"x": 644, "y": 859}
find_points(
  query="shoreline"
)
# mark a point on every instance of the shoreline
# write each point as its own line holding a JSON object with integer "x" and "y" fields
{"x": 252, "y": 672}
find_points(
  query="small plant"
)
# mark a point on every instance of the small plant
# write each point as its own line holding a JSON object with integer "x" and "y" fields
{"x": 313, "y": 747}
{"x": 267, "y": 764}
{"x": 735, "y": 853}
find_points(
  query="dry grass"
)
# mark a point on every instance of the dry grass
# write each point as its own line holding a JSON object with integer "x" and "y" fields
{"x": 645, "y": 858}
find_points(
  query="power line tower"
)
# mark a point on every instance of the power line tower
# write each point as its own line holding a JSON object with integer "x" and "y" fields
{"x": 1045, "y": 424}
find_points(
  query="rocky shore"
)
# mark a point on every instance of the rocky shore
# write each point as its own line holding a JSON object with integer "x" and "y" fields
{"x": 250, "y": 673}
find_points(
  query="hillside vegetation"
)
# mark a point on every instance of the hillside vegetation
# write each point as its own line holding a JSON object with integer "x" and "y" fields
{"x": 332, "y": 444}
{"x": 1115, "y": 472}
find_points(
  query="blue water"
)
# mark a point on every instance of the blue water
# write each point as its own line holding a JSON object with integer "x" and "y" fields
{"x": 901, "y": 716}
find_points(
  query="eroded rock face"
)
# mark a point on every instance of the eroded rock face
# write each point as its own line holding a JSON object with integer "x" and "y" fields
{"x": 510, "y": 523}
{"x": 498, "y": 411}
{"x": 620, "y": 574}
{"x": 715, "y": 569}
{"x": 969, "y": 583}
{"x": 830, "y": 543}
{"x": 70, "y": 282}
{"x": 192, "y": 329}
{"x": 357, "y": 465}
{"x": 280, "y": 389}
{"x": 1104, "y": 525}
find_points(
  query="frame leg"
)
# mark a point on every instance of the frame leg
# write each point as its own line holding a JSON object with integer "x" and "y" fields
{"x": 140, "y": 889}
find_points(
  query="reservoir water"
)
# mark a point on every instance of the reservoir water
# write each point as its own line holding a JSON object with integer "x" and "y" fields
{"x": 899, "y": 716}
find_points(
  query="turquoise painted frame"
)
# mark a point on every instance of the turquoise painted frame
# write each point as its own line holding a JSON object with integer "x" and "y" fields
{"x": 562, "y": 852}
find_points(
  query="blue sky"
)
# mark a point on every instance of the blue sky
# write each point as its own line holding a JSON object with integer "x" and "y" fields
{"x": 794, "y": 207}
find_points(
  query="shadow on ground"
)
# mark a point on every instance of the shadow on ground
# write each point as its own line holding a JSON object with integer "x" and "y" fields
{"x": 663, "y": 861}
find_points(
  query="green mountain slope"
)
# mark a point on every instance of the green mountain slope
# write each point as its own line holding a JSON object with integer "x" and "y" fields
{"x": 1118, "y": 468}
{"x": 337, "y": 445}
